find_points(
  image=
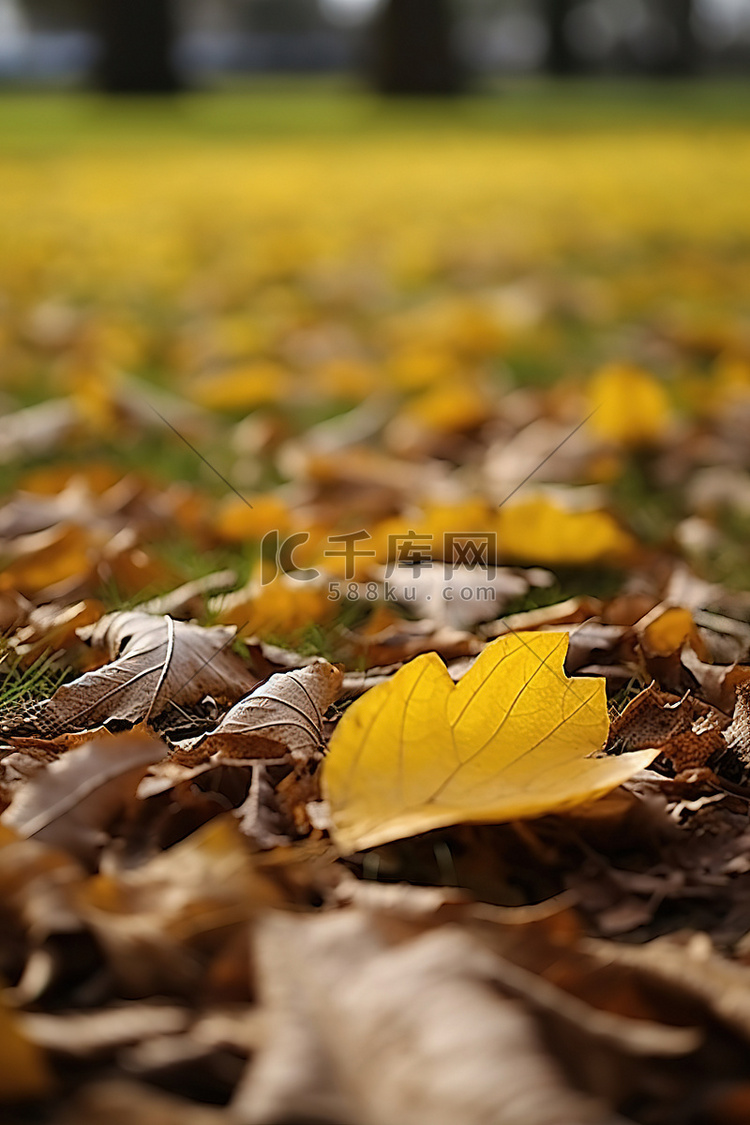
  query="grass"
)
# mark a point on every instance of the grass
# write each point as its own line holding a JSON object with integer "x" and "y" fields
{"x": 314, "y": 109}
{"x": 21, "y": 683}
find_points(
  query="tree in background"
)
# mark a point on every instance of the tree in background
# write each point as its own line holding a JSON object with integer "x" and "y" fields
{"x": 680, "y": 56}
{"x": 561, "y": 57}
{"x": 279, "y": 16}
{"x": 413, "y": 46}
{"x": 52, "y": 14}
{"x": 413, "y": 49}
{"x": 137, "y": 42}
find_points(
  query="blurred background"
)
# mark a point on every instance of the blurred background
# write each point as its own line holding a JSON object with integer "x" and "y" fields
{"x": 162, "y": 44}
{"x": 365, "y": 265}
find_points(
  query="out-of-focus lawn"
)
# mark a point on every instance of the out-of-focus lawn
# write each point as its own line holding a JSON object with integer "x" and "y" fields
{"x": 276, "y": 255}
{"x": 268, "y": 108}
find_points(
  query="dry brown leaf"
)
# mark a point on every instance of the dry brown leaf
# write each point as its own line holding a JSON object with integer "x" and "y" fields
{"x": 367, "y": 1034}
{"x": 70, "y": 802}
{"x": 189, "y": 600}
{"x": 36, "y": 429}
{"x": 737, "y": 734}
{"x": 14, "y": 610}
{"x": 160, "y": 923}
{"x": 156, "y": 662}
{"x": 407, "y": 639}
{"x": 121, "y": 1102}
{"x": 718, "y": 683}
{"x": 81, "y": 1034}
{"x": 651, "y": 719}
{"x": 23, "y": 1069}
{"x": 52, "y": 627}
{"x": 570, "y": 612}
{"x": 282, "y": 716}
{"x": 690, "y": 963}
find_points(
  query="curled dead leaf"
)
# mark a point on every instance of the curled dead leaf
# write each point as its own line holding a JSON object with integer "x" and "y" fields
{"x": 283, "y": 715}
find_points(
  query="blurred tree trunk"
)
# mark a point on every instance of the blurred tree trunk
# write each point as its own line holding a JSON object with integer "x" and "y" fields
{"x": 413, "y": 49}
{"x": 137, "y": 39}
{"x": 681, "y": 56}
{"x": 561, "y": 58}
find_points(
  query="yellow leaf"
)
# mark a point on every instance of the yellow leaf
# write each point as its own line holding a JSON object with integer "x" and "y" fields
{"x": 51, "y": 556}
{"x": 49, "y": 480}
{"x": 436, "y": 530}
{"x": 449, "y": 408}
{"x": 632, "y": 407}
{"x": 281, "y": 607}
{"x": 239, "y": 520}
{"x": 415, "y": 366}
{"x": 664, "y": 631}
{"x": 540, "y": 530}
{"x": 347, "y": 378}
{"x": 243, "y": 388}
{"x": 511, "y": 740}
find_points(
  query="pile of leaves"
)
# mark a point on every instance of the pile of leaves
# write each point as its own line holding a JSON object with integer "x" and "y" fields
{"x": 375, "y": 658}
{"x": 261, "y": 888}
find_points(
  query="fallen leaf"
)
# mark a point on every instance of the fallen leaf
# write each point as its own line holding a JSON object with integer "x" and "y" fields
{"x": 541, "y": 530}
{"x": 363, "y": 1032}
{"x": 23, "y": 1072}
{"x": 666, "y": 629}
{"x": 36, "y": 430}
{"x": 631, "y": 406}
{"x": 69, "y": 803}
{"x": 189, "y": 600}
{"x": 242, "y": 388}
{"x": 49, "y": 558}
{"x": 156, "y": 662}
{"x": 461, "y": 596}
{"x": 450, "y": 407}
{"x": 241, "y": 518}
{"x": 115, "y": 1101}
{"x": 276, "y": 608}
{"x": 100, "y": 1033}
{"x": 690, "y": 963}
{"x": 51, "y": 628}
{"x": 283, "y": 715}
{"x": 160, "y": 923}
{"x": 419, "y": 753}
